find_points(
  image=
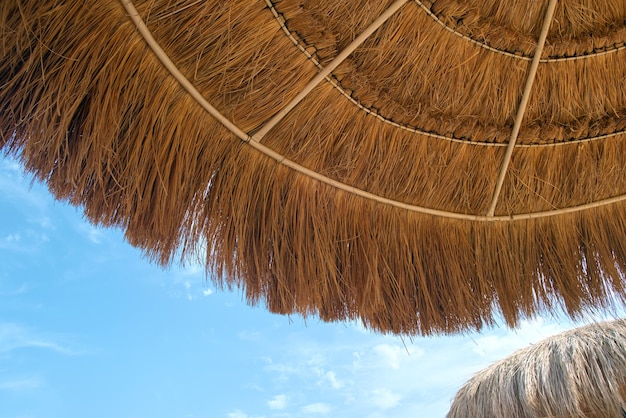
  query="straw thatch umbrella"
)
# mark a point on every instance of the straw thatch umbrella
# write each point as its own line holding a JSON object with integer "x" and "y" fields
{"x": 420, "y": 165}
{"x": 577, "y": 374}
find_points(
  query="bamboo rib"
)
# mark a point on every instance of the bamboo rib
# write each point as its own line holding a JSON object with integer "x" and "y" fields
{"x": 281, "y": 159}
{"x": 171, "y": 67}
{"x": 522, "y": 107}
{"x": 329, "y": 69}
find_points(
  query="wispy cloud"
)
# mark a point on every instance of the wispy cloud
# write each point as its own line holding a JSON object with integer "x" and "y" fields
{"x": 247, "y": 335}
{"x": 392, "y": 355}
{"x": 317, "y": 408}
{"x": 384, "y": 398}
{"x": 503, "y": 341}
{"x": 187, "y": 283}
{"x": 237, "y": 414}
{"x": 278, "y": 402}
{"x": 24, "y": 241}
{"x": 15, "y": 187}
{"x": 240, "y": 414}
{"x": 27, "y": 207}
{"x": 358, "y": 374}
{"x": 14, "y": 337}
{"x": 330, "y": 377}
{"x": 22, "y": 289}
{"x": 94, "y": 234}
{"x": 193, "y": 269}
{"x": 27, "y": 383}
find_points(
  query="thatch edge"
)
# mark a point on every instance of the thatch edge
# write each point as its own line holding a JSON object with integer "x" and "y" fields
{"x": 579, "y": 373}
{"x": 167, "y": 211}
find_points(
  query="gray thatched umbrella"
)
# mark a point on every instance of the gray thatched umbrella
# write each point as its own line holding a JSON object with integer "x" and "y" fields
{"x": 420, "y": 165}
{"x": 577, "y": 374}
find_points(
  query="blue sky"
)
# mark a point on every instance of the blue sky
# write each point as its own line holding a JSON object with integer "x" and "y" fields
{"x": 89, "y": 328}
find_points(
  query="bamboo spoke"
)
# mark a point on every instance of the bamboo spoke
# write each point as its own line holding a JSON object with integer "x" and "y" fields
{"x": 329, "y": 69}
{"x": 523, "y": 103}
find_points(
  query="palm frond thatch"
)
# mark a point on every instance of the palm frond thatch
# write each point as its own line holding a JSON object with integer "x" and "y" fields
{"x": 397, "y": 162}
{"x": 577, "y": 374}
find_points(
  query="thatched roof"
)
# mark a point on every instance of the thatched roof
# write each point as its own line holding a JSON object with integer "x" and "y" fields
{"x": 419, "y": 165}
{"x": 577, "y": 374}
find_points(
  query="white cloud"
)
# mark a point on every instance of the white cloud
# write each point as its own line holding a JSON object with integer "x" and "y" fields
{"x": 26, "y": 241}
{"x": 356, "y": 374}
{"x": 45, "y": 222}
{"x": 13, "y": 337}
{"x": 21, "y": 384}
{"x": 93, "y": 233}
{"x": 278, "y": 402}
{"x": 9, "y": 165}
{"x": 505, "y": 341}
{"x": 332, "y": 379}
{"x": 385, "y": 399}
{"x": 23, "y": 288}
{"x": 15, "y": 186}
{"x": 302, "y": 370}
{"x": 187, "y": 290}
{"x": 192, "y": 269}
{"x": 316, "y": 408}
{"x": 240, "y": 414}
{"x": 13, "y": 237}
{"x": 183, "y": 285}
{"x": 284, "y": 371}
{"x": 11, "y": 242}
{"x": 391, "y": 354}
{"x": 246, "y": 335}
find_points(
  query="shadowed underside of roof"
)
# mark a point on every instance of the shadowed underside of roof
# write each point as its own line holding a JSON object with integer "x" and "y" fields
{"x": 421, "y": 166}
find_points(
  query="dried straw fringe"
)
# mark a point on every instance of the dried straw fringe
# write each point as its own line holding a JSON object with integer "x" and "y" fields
{"x": 580, "y": 373}
{"x": 115, "y": 134}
